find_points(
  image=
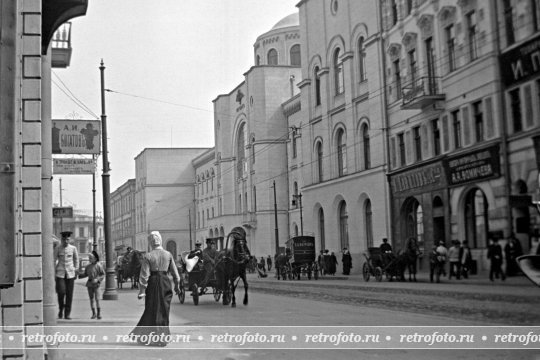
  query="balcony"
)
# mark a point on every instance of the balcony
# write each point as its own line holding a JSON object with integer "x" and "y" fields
{"x": 421, "y": 92}
{"x": 61, "y": 46}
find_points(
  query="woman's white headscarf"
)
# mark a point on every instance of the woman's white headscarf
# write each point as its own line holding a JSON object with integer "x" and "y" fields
{"x": 155, "y": 239}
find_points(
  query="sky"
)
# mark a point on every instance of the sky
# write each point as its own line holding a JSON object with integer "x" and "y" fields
{"x": 165, "y": 61}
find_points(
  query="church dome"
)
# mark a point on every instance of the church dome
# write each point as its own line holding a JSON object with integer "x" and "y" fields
{"x": 290, "y": 20}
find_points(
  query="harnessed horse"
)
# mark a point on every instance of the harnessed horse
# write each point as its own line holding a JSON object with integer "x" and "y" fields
{"x": 412, "y": 251}
{"x": 130, "y": 268}
{"x": 231, "y": 266}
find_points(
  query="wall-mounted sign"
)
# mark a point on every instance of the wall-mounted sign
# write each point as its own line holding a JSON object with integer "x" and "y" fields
{"x": 521, "y": 63}
{"x": 76, "y": 137}
{"x": 79, "y": 166}
{"x": 473, "y": 166}
{"x": 421, "y": 179}
{"x": 62, "y": 212}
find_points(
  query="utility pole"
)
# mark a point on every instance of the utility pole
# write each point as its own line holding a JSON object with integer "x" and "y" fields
{"x": 189, "y": 220}
{"x": 275, "y": 218}
{"x": 61, "y": 219}
{"x": 110, "y": 286}
{"x": 94, "y": 244}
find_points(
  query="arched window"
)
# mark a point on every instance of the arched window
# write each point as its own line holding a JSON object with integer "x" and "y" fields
{"x": 341, "y": 152}
{"x": 272, "y": 57}
{"x": 295, "y": 230}
{"x": 362, "y": 59}
{"x": 241, "y": 152}
{"x": 343, "y": 225}
{"x": 317, "y": 86}
{"x": 338, "y": 73}
{"x": 369, "y": 224}
{"x": 295, "y": 55}
{"x": 476, "y": 218}
{"x": 366, "y": 147}
{"x": 319, "y": 161}
{"x": 321, "y": 228}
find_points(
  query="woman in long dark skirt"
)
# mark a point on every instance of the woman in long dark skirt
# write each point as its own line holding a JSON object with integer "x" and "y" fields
{"x": 155, "y": 287}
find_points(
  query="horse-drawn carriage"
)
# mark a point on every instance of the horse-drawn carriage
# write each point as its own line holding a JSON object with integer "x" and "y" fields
{"x": 379, "y": 264}
{"x": 298, "y": 260}
{"x": 128, "y": 266}
{"x": 192, "y": 274}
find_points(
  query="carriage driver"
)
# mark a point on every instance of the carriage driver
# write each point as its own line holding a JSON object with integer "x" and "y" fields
{"x": 209, "y": 255}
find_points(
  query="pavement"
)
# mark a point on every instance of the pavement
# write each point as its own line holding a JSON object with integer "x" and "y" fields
{"x": 124, "y": 313}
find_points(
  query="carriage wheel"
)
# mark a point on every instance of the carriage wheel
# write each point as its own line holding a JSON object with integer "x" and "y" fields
{"x": 217, "y": 294}
{"x": 378, "y": 274}
{"x": 366, "y": 272}
{"x": 195, "y": 290}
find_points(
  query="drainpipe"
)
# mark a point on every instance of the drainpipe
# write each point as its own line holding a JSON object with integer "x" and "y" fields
{"x": 49, "y": 301}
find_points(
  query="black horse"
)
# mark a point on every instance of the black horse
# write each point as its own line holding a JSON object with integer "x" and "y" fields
{"x": 130, "y": 268}
{"x": 411, "y": 253}
{"x": 231, "y": 266}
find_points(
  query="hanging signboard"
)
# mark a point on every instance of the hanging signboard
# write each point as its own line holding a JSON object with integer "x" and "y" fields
{"x": 63, "y": 212}
{"x": 76, "y": 137}
{"x": 473, "y": 166}
{"x": 81, "y": 166}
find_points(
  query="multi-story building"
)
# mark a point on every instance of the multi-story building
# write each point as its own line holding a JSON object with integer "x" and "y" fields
{"x": 519, "y": 42}
{"x": 81, "y": 226}
{"x": 337, "y": 156}
{"x": 235, "y": 181}
{"x": 123, "y": 216}
{"x": 163, "y": 196}
{"x": 447, "y": 177}
{"x": 27, "y": 299}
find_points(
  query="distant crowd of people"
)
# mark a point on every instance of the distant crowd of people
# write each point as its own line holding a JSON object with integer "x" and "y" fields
{"x": 462, "y": 264}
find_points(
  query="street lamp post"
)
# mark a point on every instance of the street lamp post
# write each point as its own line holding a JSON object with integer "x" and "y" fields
{"x": 110, "y": 292}
{"x": 276, "y": 218}
{"x": 298, "y": 197}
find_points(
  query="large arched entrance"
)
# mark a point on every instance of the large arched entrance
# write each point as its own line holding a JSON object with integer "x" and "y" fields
{"x": 476, "y": 218}
{"x": 412, "y": 215}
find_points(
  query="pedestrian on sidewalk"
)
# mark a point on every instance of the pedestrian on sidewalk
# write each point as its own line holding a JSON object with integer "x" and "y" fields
{"x": 466, "y": 259}
{"x": 333, "y": 264}
{"x": 95, "y": 273}
{"x": 442, "y": 252}
{"x": 155, "y": 287}
{"x": 66, "y": 259}
{"x": 320, "y": 261}
{"x": 494, "y": 254}
{"x": 346, "y": 260}
{"x": 453, "y": 259}
{"x": 269, "y": 262}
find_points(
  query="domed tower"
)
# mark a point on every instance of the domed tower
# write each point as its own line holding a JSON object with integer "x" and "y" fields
{"x": 280, "y": 45}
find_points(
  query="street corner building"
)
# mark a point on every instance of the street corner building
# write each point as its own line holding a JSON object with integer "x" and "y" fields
{"x": 34, "y": 38}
